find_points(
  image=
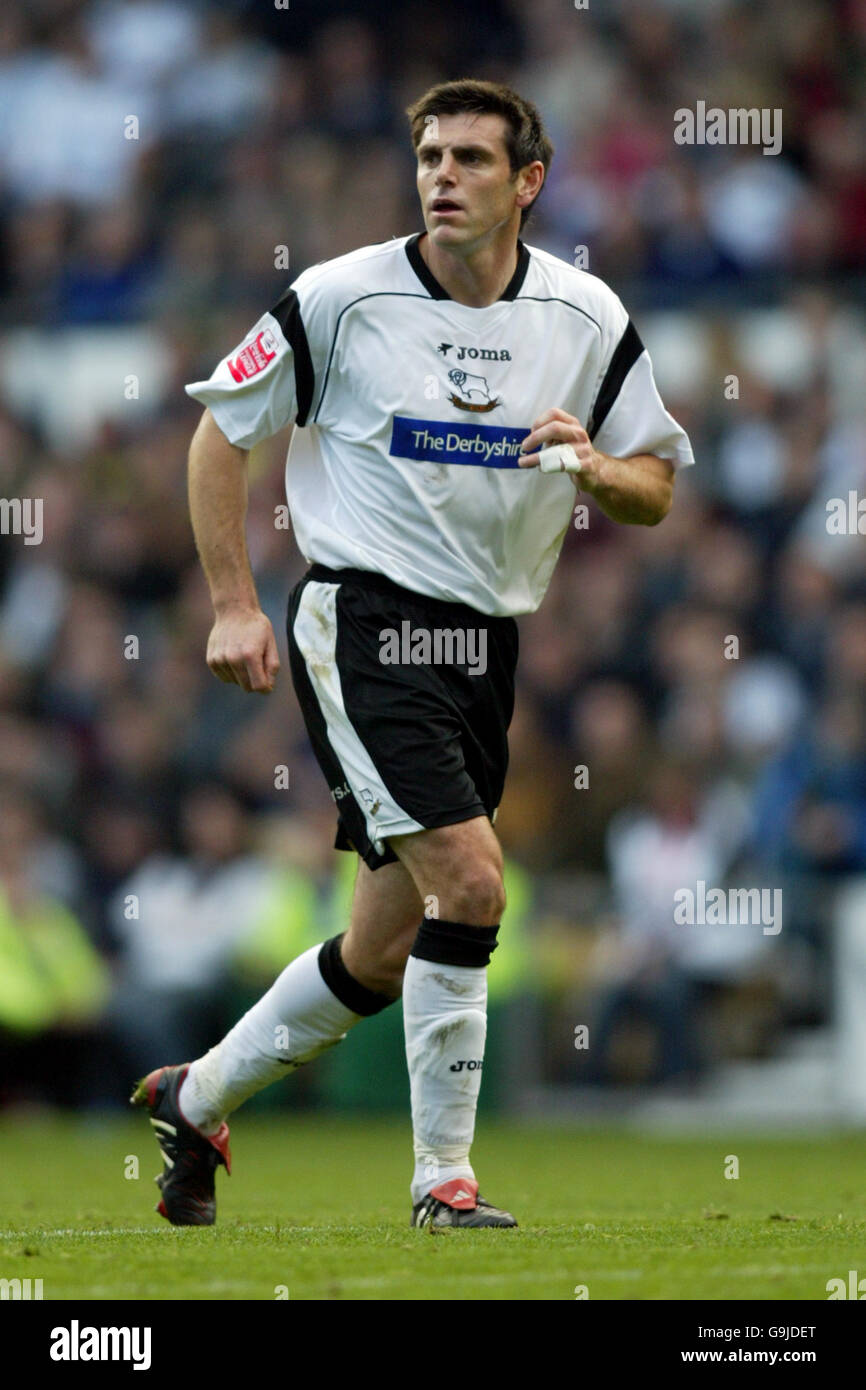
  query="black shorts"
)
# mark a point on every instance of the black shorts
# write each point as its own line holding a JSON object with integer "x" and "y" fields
{"x": 409, "y": 735}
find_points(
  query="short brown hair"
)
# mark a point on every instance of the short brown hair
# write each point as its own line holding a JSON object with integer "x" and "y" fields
{"x": 526, "y": 139}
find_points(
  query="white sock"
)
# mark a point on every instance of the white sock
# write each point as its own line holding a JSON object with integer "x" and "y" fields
{"x": 445, "y": 1021}
{"x": 298, "y": 1018}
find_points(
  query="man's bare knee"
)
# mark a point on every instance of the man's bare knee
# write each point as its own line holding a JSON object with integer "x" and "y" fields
{"x": 475, "y": 896}
{"x": 459, "y": 868}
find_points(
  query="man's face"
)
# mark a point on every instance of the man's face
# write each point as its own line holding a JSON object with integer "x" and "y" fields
{"x": 465, "y": 182}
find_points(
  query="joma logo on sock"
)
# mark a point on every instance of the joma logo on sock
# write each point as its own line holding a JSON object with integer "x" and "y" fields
{"x": 470, "y": 1066}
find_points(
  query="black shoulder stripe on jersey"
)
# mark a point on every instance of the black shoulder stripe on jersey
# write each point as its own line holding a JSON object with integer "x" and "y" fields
{"x": 626, "y": 353}
{"x": 287, "y": 312}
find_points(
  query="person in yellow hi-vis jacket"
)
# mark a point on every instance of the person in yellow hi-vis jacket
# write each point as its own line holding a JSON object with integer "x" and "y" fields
{"x": 53, "y": 988}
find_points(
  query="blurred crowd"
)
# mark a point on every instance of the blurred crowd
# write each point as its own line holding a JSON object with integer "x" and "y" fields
{"x": 164, "y": 837}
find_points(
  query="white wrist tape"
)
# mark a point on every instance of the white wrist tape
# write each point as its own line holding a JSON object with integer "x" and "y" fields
{"x": 559, "y": 458}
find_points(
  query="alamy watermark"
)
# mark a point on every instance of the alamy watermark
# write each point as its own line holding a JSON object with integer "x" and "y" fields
{"x": 732, "y": 907}
{"x": 846, "y": 516}
{"x": 438, "y": 646}
{"x": 20, "y": 1289}
{"x": 22, "y": 516}
{"x": 855, "y": 1287}
{"x": 77, "y": 1343}
{"x": 738, "y": 125}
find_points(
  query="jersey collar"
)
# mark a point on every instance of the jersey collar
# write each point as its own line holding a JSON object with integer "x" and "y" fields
{"x": 436, "y": 291}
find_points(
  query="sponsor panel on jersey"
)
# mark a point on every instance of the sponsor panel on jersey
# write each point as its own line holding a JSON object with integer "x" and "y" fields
{"x": 253, "y": 358}
{"x": 438, "y": 441}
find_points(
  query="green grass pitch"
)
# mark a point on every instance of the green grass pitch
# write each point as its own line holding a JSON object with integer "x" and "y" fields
{"x": 319, "y": 1207}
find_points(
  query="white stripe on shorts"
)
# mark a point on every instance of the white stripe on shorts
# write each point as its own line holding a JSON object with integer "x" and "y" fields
{"x": 315, "y": 631}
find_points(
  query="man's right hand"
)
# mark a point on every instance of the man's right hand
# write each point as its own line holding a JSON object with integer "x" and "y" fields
{"x": 242, "y": 649}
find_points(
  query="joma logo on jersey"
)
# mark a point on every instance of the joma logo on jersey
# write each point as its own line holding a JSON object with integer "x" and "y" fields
{"x": 253, "y": 358}
{"x": 481, "y": 354}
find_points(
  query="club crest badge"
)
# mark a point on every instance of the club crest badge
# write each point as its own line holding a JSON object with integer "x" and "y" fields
{"x": 471, "y": 391}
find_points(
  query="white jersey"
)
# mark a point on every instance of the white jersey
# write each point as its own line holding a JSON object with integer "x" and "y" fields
{"x": 410, "y": 410}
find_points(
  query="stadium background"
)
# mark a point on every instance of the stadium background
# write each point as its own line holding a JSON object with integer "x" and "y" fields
{"x": 128, "y": 775}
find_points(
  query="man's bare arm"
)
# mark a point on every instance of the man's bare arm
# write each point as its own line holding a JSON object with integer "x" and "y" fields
{"x": 241, "y": 648}
{"x": 637, "y": 490}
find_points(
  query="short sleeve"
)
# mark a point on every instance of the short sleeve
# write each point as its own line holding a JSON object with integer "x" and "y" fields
{"x": 628, "y": 416}
{"x": 265, "y": 382}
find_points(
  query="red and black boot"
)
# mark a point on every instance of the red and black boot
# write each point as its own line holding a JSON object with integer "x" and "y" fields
{"x": 191, "y": 1158}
